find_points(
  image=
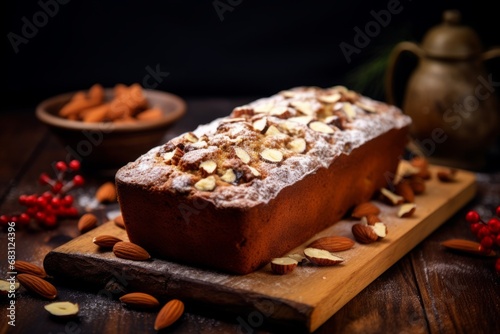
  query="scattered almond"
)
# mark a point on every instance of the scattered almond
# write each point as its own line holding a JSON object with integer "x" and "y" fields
{"x": 87, "y": 222}
{"x": 228, "y": 176}
{"x": 406, "y": 210}
{"x": 130, "y": 251}
{"x": 260, "y": 124}
{"x": 254, "y": 171}
{"x": 349, "y": 111}
{"x": 364, "y": 234}
{"x": 447, "y": 175}
{"x": 380, "y": 229}
{"x": 140, "y": 300}
{"x": 106, "y": 241}
{"x": 365, "y": 209}
{"x": 466, "y": 246}
{"x": 329, "y": 99}
{"x": 283, "y": 265}
{"x": 304, "y": 107}
{"x": 29, "y": 268}
{"x": 242, "y": 154}
{"x": 404, "y": 190}
{"x": 191, "y": 137}
{"x": 169, "y": 314}
{"x": 118, "y": 220}
{"x": 272, "y": 131}
{"x": 271, "y": 155}
{"x": 371, "y": 220}
{"x": 106, "y": 193}
{"x": 62, "y": 309}
{"x": 332, "y": 243}
{"x": 6, "y": 287}
{"x": 390, "y": 198}
{"x": 417, "y": 184}
{"x": 322, "y": 257}
{"x": 208, "y": 166}
{"x": 37, "y": 285}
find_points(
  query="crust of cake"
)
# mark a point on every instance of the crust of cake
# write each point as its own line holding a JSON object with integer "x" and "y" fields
{"x": 197, "y": 230}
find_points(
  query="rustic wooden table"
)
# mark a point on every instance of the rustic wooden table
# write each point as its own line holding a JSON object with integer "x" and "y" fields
{"x": 428, "y": 290}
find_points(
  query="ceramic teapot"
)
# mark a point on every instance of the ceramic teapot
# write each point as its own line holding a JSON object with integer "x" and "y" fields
{"x": 449, "y": 96}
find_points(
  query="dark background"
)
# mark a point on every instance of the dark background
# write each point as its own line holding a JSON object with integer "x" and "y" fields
{"x": 259, "y": 48}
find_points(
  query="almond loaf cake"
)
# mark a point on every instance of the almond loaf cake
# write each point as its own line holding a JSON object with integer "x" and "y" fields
{"x": 246, "y": 188}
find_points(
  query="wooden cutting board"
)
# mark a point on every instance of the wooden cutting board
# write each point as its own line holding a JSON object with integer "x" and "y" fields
{"x": 307, "y": 297}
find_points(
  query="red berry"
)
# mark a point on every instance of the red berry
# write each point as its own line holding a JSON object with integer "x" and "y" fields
{"x": 78, "y": 180}
{"x": 61, "y": 166}
{"x": 44, "y": 179}
{"x": 483, "y": 232}
{"x": 494, "y": 225}
{"x": 67, "y": 201}
{"x": 498, "y": 240}
{"x": 31, "y": 200}
{"x": 31, "y": 211}
{"x": 41, "y": 202}
{"x": 57, "y": 187}
{"x": 74, "y": 165}
{"x": 40, "y": 216}
{"x": 71, "y": 211}
{"x": 50, "y": 221}
{"x": 487, "y": 242}
{"x": 475, "y": 227}
{"x": 4, "y": 220}
{"x": 56, "y": 202}
{"x": 472, "y": 216}
{"x": 24, "y": 219}
{"x": 22, "y": 199}
{"x": 14, "y": 219}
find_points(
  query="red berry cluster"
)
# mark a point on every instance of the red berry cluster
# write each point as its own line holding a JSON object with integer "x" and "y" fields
{"x": 45, "y": 209}
{"x": 488, "y": 232}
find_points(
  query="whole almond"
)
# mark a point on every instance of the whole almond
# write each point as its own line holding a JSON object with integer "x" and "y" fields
{"x": 364, "y": 234}
{"x": 37, "y": 285}
{"x": 365, "y": 209}
{"x": 417, "y": 184}
{"x": 106, "y": 241}
{"x": 371, "y": 219}
{"x": 87, "y": 222}
{"x": 30, "y": 268}
{"x": 106, "y": 193}
{"x": 130, "y": 251}
{"x": 169, "y": 314}
{"x": 140, "y": 300}
{"x": 466, "y": 246}
{"x": 119, "y": 221}
{"x": 404, "y": 190}
{"x": 332, "y": 244}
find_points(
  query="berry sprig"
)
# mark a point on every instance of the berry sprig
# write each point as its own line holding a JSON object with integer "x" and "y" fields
{"x": 487, "y": 232}
{"x": 47, "y": 208}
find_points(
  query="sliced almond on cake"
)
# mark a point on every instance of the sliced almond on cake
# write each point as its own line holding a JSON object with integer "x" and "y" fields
{"x": 228, "y": 176}
{"x": 271, "y": 155}
{"x": 272, "y": 131}
{"x": 260, "y": 124}
{"x": 297, "y": 145}
{"x": 254, "y": 171}
{"x": 208, "y": 166}
{"x": 206, "y": 184}
{"x": 321, "y": 127}
{"x": 329, "y": 99}
{"x": 242, "y": 154}
{"x": 349, "y": 111}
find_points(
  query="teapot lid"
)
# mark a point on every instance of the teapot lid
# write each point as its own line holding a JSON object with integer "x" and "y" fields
{"x": 451, "y": 40}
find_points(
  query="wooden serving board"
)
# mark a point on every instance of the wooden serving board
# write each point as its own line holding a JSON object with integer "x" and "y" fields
{"x": 307, "y": 297}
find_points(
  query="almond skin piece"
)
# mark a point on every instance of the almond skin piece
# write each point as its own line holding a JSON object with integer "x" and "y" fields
{"x": 283, "y": 265}
{"x": 406, "y": 210}
{"x": 169, "y": 314}
{"x": 364, "y": 234}
{"x": 118, "y": 220}
{"x": 106, "y": 241}
{"x": 130, "y": 251}
{"x": 404, "y": 190}
{"x": 140, "y": 300}
{"x": 106, "y": 193}
{"x": 87, "y": 222}
{"x": 466, "y": 246}
{"x": 365, "y": 209}
{"x": 37, "y": 285}
{"x": 29, "y": 268}
{"x": 332, "y": 244}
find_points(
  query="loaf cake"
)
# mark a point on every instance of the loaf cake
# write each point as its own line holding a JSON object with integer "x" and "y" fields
{"x": 243, "y": 189}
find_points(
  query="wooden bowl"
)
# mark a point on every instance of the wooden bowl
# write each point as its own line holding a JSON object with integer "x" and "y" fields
{"x": 105, "y": 145}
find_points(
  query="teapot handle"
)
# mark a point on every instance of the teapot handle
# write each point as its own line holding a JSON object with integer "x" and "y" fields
{"x": 393, "y": 59}
{"x": 490, "y": 54}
